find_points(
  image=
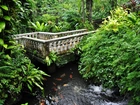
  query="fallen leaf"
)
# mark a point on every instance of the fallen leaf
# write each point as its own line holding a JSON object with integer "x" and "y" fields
{"x": 65, "y": 85}
{"x": 42, "y": 102}
{"x": 54, "y": 84}
{"x": 58, "y": 79}
{"x": 71, "y": 76}
{"x": 58, "y": 87}
{"x": 55, "y": 89}
{"x": 63, "y": 75}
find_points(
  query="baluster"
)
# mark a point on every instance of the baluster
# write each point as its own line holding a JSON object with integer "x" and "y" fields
{"x": 71, "y": 43}
{"x": 36, "y": 35}
{"x": 61, "y": 45}
{"x": 49, "y": 36}
{"x": 65, "y": 45}
{"x": 42, "y": 50}
{"x": 78, "y": 39}
{"x": 45, "y": 37}
{"x": 58, "y": 46}
{"x": 54, "y": 46}
{"x": 81, "y": 38}
{"x": 74, "y": 41}
{"x": 51, "y": 47}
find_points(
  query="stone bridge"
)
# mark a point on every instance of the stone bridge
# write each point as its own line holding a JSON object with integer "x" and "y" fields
{"x": 40, "y": 44}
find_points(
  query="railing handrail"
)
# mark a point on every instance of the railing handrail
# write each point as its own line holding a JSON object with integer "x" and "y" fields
{"x": 70, "y": 36}
{"x": 49, "y": 33}
{"x": 65, "y": 32}
{"x": 30, "y": 38}
{"x": 55, "y": 39}
{"x": 24, "y": 34}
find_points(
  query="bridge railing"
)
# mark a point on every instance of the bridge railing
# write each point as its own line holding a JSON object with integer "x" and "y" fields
{"x": 63, "y": 44}
{"x": 34, "y": 46}
{"x": 40, "y": 48}
{"x": 32, "y": 35}
{"x": 49, "y": 35}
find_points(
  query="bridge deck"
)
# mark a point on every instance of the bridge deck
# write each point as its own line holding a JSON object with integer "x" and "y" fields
{"x": 40, "y": 44}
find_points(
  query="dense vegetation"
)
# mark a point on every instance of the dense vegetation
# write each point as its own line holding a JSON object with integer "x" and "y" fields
{"x": 57, "y": 15}
{"x": 114, "y": 41}
{"x": 16, "y": 71}
{"x": 111, "y": 55}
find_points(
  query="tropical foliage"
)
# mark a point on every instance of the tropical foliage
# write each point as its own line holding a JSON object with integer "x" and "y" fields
{"x": 16, "y": 70}
{"x": 51, "y": 58}
{"x": 20, "y": 16}
{"x": 111, "y": 55}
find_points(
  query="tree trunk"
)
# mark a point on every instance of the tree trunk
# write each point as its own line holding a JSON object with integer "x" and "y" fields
{"x": 83, "y": 10}
{"x": 89, "y": 4}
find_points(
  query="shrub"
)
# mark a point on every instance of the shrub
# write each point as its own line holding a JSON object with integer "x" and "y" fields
{"x": 111, "y": 55}
{"x": 17, "y": 72}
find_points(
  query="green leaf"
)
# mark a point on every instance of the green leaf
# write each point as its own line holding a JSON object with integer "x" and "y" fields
{"x": 2, "y": 101}
{"x": 132, "y": 17}
{"x": 30, "y": 88}
{"x": 2, "y": 26}
{"x": 4, "y": 7}
{"x": 7, "y": 18}
{"x": 1, "y": 42}
{"x": 8, "y": 57}
{"x": 25, "y": 104}
{"x": 38, "y": 85}
{"x": 130, "y": 88}
{"x": 11, "y": 47}
{"x": 5, "y": 45}
{"x": 30, "y": 82}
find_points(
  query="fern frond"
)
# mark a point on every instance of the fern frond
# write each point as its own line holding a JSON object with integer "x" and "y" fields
{"x": 3, "y": 75}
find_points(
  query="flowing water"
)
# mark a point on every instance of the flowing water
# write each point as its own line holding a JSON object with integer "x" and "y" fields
{"x": 66, "y": 87}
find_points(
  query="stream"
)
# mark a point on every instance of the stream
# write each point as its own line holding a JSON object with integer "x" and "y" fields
{"x": 66, "y": 87}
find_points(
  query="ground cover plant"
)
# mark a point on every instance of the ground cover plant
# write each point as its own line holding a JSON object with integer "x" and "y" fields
{"x": 111, "y": 55}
